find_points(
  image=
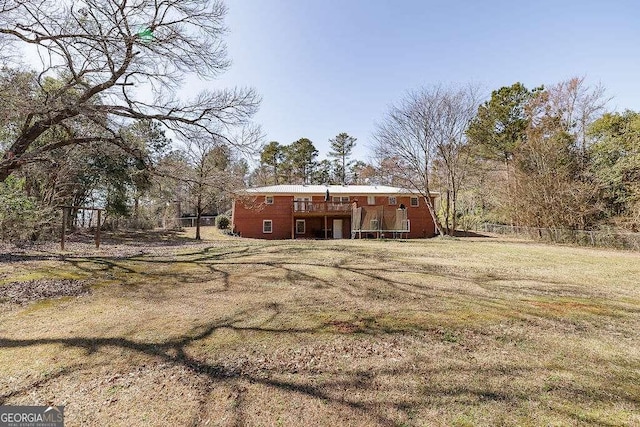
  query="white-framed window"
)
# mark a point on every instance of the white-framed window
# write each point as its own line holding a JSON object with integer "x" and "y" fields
{"x": 393, "y": 200}
{"x": 371, "y": 200}
{"x": 340, "y": 199}
{"x": 268, "y": 200}
{"x": 415, "y": 201}
{"x": 301, "y": 226}
{"x": 267, "y": 226}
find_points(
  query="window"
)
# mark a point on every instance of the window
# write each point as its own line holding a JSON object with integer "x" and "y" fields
{"x": 340, "y": 199}
{"x": 267, "y": 226}
{"x": 371, "y": 200}
{"x": 415, "y": 201}
{"x": 300, "y": 226}
{"x": 268, "y": 200}
{"x": 393, "y": 200}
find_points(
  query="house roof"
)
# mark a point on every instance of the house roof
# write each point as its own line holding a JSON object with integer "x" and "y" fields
{"x": 333, "y": 190}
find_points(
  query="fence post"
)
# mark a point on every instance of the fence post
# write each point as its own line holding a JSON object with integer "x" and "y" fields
{"x": 98, "y": 230}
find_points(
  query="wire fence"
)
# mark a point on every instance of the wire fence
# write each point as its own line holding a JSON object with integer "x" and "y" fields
{"x": 606, "y": 237}
{"x": 191, "y": 221}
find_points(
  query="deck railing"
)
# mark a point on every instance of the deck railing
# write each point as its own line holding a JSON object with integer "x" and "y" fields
{"x": 303, "y": 206}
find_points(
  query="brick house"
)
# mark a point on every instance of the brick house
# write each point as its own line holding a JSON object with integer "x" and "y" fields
{"x": 331, "y": 212}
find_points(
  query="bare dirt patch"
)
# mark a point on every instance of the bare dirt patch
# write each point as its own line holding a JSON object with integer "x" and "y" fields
{"x": 34, "y": 290}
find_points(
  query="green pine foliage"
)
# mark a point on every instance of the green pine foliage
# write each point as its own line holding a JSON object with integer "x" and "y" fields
{"x": 341, "y": 147}
{"x": 615, "y": 163}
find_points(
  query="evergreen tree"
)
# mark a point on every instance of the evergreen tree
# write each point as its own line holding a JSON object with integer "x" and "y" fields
{"x": 499, "y": 126}
{"x": 272, "y": 155}
{"x": 300, "y": 159}
{"x": 341, "y": 147}
{"x": 615, "y": 163}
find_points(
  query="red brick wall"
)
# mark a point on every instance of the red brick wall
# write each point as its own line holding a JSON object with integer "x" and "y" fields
{"x": 420, "y": 219}
{"x": 249, "y": 212}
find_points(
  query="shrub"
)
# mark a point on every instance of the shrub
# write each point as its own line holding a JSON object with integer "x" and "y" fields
{"x": 222, "y": 222}
{"x": 21, "y": 218}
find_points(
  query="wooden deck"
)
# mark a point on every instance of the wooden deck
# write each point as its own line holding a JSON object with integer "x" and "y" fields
{"x": 303, "y": 209}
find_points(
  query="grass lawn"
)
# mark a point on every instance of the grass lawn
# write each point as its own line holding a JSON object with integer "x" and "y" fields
{"x": 232, "y": 332}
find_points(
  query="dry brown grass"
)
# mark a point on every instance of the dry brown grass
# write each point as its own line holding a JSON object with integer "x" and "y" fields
{"x": 232, "y": 331}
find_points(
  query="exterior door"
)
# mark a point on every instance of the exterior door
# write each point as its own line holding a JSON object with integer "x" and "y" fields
{"x": 337, "y": 229}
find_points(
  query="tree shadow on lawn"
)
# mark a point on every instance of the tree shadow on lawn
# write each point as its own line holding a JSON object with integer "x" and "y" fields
{"x": 364, "y": 278}
{"x": 219, "y": 264}
{"x": 176, "y": 353}
{"x": 368, "y": 276}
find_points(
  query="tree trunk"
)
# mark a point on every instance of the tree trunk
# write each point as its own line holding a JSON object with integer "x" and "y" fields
{"x": 447, "y": 213}
{"x": 434, "y": 216}
{"x": 198, "y": 215}
{"x": 136, "y": 207}
{"x": 511, "y": 205}
{"x": 344, "y": 172}
{"x": 454, "y": 202}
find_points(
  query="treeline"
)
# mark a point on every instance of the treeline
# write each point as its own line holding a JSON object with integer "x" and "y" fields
{"x": 89, "y": 124}
{"x": 89, "y": 127}
{"x": 547, "y": 157}
{"x": 297, "y": 163}
{"x": 142, "y": 181}
{"x": 552, "y": 157}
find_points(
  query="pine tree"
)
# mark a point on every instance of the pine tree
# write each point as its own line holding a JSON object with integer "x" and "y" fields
{"x": 341, "y": 147}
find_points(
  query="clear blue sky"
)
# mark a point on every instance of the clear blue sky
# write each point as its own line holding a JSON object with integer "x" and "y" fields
{"x": 329, "y": 66}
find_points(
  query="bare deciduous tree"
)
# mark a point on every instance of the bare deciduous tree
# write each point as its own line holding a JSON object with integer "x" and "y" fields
{"x": 207, "y": 170}
{"x": 576, "y": 105}
{"x": 117, "y": 61}
{"x": 551, "y": 187}
{"x": 454, "y": 158}
{"x": 208, "y": 175}
{"x": 427, "y": 128}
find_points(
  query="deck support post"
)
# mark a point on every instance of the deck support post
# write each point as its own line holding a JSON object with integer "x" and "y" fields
{"x": 293, "y": 220}
{"x": 293, "y": 227}
{"x": 325, "y": 228}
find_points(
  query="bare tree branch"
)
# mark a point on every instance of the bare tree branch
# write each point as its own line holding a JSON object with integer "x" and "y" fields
{"x": 107, "y": 53}
{"x": 427, "y": 129}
